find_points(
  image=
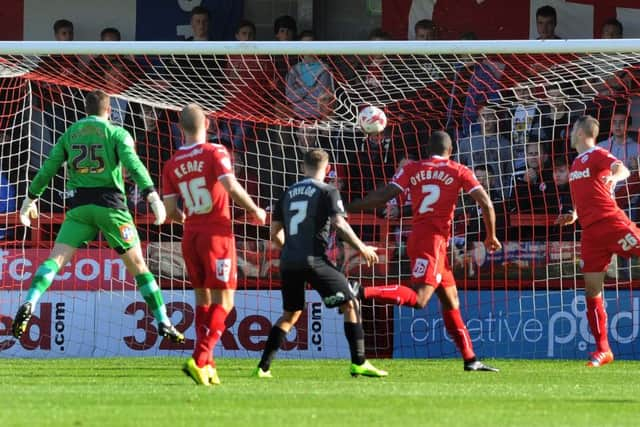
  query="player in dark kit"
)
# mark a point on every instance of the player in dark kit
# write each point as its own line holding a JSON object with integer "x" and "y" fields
{"x": 300, "y": 226}
{"x": 434, "y": 185}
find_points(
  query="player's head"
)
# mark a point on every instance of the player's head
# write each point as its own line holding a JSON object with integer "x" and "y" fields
{"x": 425, "y": 29}
{"x": 612, "y": 29}
{"x": 96, "y": 103}
{"x": 193, "y": 122}
{"x": 620, "y": 121}
{"x": 285, "y": 28}
{"x": 440, "y": 144}
{"x": 546, "y": 20}
{"x": 245, "y": 31}
{"x": 316, "y": 162}
{"x": 200, "y": 23}
{"x": 110, "y": 34}
{"x": 63, "y": 30}
{"x": 584, "y": 133}
{"x": 560, "y": 170}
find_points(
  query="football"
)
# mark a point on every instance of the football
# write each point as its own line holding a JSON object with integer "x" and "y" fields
{"x": 372, "y": 120}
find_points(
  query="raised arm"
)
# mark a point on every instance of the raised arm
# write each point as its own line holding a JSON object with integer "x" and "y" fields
{"x": 375, "y": 199}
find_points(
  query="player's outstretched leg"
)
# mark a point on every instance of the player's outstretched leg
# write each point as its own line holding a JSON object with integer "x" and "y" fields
{"x": 150, "y": 291}
{"x": 199, "y": 375}
{"x": 396, "y": 294}
{"x": 41, "y": 281}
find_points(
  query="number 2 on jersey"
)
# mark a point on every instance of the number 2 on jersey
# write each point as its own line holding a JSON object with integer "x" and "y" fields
{"x": 431, "y": 194}
{"x": 300, "y": 209}
{"x": 196, "y": 195}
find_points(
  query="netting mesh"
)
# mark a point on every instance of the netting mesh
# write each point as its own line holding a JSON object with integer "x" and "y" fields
{"x": 510, "y": 116}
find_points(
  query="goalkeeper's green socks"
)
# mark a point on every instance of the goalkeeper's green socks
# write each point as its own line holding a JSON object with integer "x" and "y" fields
{"x": 151, "y": 293}
{"x": 42, "y": 280}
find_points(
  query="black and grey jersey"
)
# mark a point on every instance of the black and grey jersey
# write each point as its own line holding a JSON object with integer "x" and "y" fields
{"x": 305, "y": 209}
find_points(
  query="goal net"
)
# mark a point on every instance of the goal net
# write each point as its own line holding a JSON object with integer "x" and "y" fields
{"x": 509, "y": 107}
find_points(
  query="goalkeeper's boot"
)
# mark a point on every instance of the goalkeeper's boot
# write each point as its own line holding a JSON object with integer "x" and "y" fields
{"x": 367, "y": 370}
{"x": 476, "y": 365}
{"x": 212, "y": 372}
{"x": 199, "y": 375}
{"x": 170, "y": 332}
{"x": 600, "y": 358}
{"x": 259, "y": 373}
{"x": 21, "y": 320}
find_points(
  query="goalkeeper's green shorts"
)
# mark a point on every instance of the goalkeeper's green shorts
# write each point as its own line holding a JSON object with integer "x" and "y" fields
{"x": 82, "y": 223}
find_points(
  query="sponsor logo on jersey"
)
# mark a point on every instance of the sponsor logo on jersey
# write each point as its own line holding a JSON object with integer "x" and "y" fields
{"x": 585, "y": 158}
{"x": 223, "y": 269}
{"x": 127, "y": 232}
{"x": 420, "y": 267}
{"x": 580, "y": 174}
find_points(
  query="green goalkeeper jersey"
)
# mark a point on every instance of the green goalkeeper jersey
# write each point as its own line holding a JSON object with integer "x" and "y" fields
{"x": 95, "y": 151}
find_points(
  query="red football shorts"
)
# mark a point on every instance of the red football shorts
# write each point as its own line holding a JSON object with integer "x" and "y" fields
{"x": 210, "y": 260}
{"x": 605, "y": 238}
{"x": 429, "y": 259}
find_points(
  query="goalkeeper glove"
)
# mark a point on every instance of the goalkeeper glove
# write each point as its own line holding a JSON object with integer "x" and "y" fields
{"x": 28, "y": 211}
{"x": 157, "y": 207}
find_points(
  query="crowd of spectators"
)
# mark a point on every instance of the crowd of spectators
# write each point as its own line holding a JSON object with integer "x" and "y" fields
{"x": 514, "y": 138}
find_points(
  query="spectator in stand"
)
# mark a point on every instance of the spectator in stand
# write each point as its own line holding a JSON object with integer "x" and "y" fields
{"x": 199, "y": 24}
{"x": 546, "y": 21}
{"x": 619, "y": 143}
{"x": 425, "y": 29}
{"x": 531, "y": 185}
{"x": 486, "y": 145}
{"x": 309, "y": 86}
{"x": 612, "y": 29}
{"x": 561, "y": 181}
{"x": 110, "y": 34}
{"x": 63, "y": 30}
{"x": 245, "y": 31}
{"x": 285, "y": 28}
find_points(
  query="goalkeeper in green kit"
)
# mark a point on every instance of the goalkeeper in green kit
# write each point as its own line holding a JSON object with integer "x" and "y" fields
{"x": 95, "y": 151}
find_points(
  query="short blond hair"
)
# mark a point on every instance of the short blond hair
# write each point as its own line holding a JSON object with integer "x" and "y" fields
{"x": 315, "y": 158}
{"x": 589, "y": 125}
{"x": 192, "y": 118}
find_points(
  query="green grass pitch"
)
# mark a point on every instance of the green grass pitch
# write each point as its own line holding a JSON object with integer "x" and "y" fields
{"x": 154, "y": 392}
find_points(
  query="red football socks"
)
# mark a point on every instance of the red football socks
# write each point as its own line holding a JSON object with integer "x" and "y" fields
{"x": 597, "y": 316}
{"x": 209, "y": 328}
{"x": 397, "y": 294}
{"x": 200, "y": 354}
{"x": 459, "y": 333}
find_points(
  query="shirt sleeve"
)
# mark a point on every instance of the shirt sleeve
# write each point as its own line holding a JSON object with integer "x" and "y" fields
{"x": 604, "y": 160}
{"x": 168, "y": 185}
{"x": 222, "y": 163}
{"x": 401, "y": 178}
{"x": 469, "y": 181}
{"x": 336, "y": 207}
{"x": 127, "y": 154}
{"x": 57, "y": 156}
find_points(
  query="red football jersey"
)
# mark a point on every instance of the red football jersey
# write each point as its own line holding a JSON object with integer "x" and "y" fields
{"x": 434, "y": 185}
{"x": 194, "y": 174}
{"x": 592, "y": 199}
